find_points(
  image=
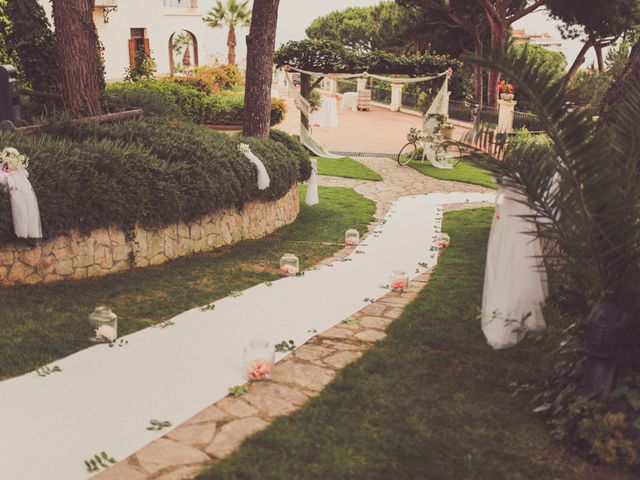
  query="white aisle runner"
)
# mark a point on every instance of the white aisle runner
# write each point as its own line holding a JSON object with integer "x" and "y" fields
{"x": 104, "y": 397}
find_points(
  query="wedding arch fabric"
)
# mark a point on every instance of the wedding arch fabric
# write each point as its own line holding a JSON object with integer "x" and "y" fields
{"x": 303, "y": 104}
{"x": 24, "y": 204}
{"x": 263, "y": 176}
{"x": 515, "y": 282}
{"x": 439, "y": 106}
{"x": 312, "y": 187}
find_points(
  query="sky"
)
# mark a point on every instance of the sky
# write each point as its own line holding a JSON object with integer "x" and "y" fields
{"x": 296, "y": 15}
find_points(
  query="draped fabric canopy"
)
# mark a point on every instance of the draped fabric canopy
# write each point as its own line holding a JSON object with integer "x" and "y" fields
{"x": 440, "y": 104}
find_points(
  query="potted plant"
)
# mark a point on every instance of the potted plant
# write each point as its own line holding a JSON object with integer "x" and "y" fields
{"x": 506, "y": 90}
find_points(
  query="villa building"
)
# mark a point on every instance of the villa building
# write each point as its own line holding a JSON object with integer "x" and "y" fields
{"x": 172, "y": 31}
{"x": 544, "y": 39}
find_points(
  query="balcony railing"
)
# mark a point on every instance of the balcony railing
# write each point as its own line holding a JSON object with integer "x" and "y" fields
{"x": 106, "y": 3}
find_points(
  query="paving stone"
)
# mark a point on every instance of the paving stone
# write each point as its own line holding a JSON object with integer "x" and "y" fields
{"x": 380, "y": 323}
{"x": 345, "y": 346}
{"x": 342, "y": 359}
{"x": 274, "y": 399}
{"x": 186, "y": 472}
{"x": 393, "y": 313}
{"x": 304, "y": 375}
{"x": 236, "y": 407}
{"x": 311, "y": 353}
{"x": 371, "y": 336}
{"x": 374, "y": 309}
{"x": 396, "y": 301}
{"x": 165, "y": 453}
{"x": 194, "y": 435}
{"x": 121, "y": 471}
{"x": 208, "y": 415}
{"x": 336, "y": 332}
{"x": 233, "y": 434}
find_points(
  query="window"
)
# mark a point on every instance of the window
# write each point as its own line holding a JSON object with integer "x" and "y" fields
{"x": 138, "y": 42}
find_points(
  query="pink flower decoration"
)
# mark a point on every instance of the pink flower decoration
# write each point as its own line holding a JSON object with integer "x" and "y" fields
{"x": 259, "y": 370}
{"x": 399, "y": 284}
{"x": 288, "y": 270}
{"x": 449, "y": 72}
{"x": 443, "y": 244}
{"x": 352, "y": 241}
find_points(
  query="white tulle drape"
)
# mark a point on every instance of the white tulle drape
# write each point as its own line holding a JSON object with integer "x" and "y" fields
{"x": 439, "y": 106}
{"x": 305, "y": 134}
{"x": 312, "y": 187}
{"x": 263, "y": 176}
{"x": 24, "y": 204}
{"x": 515, "y": 282}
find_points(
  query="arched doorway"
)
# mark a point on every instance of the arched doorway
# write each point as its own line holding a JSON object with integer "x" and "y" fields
{"x": 183, "y": 52}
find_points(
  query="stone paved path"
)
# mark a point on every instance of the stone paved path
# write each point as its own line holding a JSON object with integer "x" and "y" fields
{"x": 218, "y": 430}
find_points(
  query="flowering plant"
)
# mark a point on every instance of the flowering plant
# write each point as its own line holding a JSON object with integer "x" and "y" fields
{"x": 506, "y": 87}
{"x": 12, "y": 160}
{"x": 288, "y": 270}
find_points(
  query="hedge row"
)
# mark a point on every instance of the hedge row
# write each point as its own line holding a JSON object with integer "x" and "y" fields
{"x": 167, "y": 98}
{"x": 152, "y": 172}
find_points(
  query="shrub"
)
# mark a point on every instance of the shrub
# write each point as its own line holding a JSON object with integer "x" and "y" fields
{"x": 152, "y": 172}
{"x": 218, "y": 77}
{"x": 195, "y": 83}
{"x": 193, "y": 104}
{"x": 295, "y": 147}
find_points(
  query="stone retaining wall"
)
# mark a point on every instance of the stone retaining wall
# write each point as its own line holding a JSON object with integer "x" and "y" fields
{"x": 105, "y": 251}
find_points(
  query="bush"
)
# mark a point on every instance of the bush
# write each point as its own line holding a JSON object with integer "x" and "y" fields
{"x": 295, "y": 147}
{"x": 193, "y": 104}
{"x": 153, "y": 172}
{"x": 217, "y": 78}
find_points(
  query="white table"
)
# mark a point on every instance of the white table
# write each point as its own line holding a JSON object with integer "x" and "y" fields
{"x": 350, "y": 101}
{"x": 327, "y": 114}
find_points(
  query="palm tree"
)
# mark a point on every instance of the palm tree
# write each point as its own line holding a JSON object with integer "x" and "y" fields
{"x": 232, "y": 14}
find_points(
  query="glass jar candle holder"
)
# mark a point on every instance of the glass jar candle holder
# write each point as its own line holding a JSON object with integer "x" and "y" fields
{"x": 443, "y": 240}
{"x": 289, "y": 264}
{"x": 352, "y": 237}
{"x": 398, "y": 281}
{"x": 104, "y": 323}
{"x": 258, "y": 360}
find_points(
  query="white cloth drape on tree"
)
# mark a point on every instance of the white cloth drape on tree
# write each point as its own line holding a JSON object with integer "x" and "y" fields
{"x": 24, "y": 204}
{"x": 312, "y": 187}
{"x": 439, "y": 106}
{"x": 263, "y": 175}
{"x": 515, "y": 281}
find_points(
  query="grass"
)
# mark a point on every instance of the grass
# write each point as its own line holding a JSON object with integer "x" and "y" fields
{"x": 346, "y": 167}
{"x": 40, "y": 324}
{"x": 463, "y": 172}
{"x": 431, "y": 401}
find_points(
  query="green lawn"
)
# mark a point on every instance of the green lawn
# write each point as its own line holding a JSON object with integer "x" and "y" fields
{"x": 432, "y": 401}
{"x": 40, "y": 324}
{"x": 463, "y": 172}
{"x": 346, "y": 167}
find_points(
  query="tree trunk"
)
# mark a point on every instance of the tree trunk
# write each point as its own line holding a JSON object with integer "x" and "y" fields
{"x": 577, "y": 63}
{"x": 498, "y": 40}
{"x": 630, "y": 75}
{"x": 80, "y": 72}
{"x": 478, "y": 71}
{"x": 305, "y": 89}
{"x": 231, "y": 44}
{"x": 261, "y": 43}
{"x": 598, "y": 48}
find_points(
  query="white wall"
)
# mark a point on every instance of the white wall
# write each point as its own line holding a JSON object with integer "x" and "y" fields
{"x": 161, "y": 23}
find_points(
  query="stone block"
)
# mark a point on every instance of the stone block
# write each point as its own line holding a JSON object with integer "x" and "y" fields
{"x": 165, "y": 453}
{"x": 233, "y": 434}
